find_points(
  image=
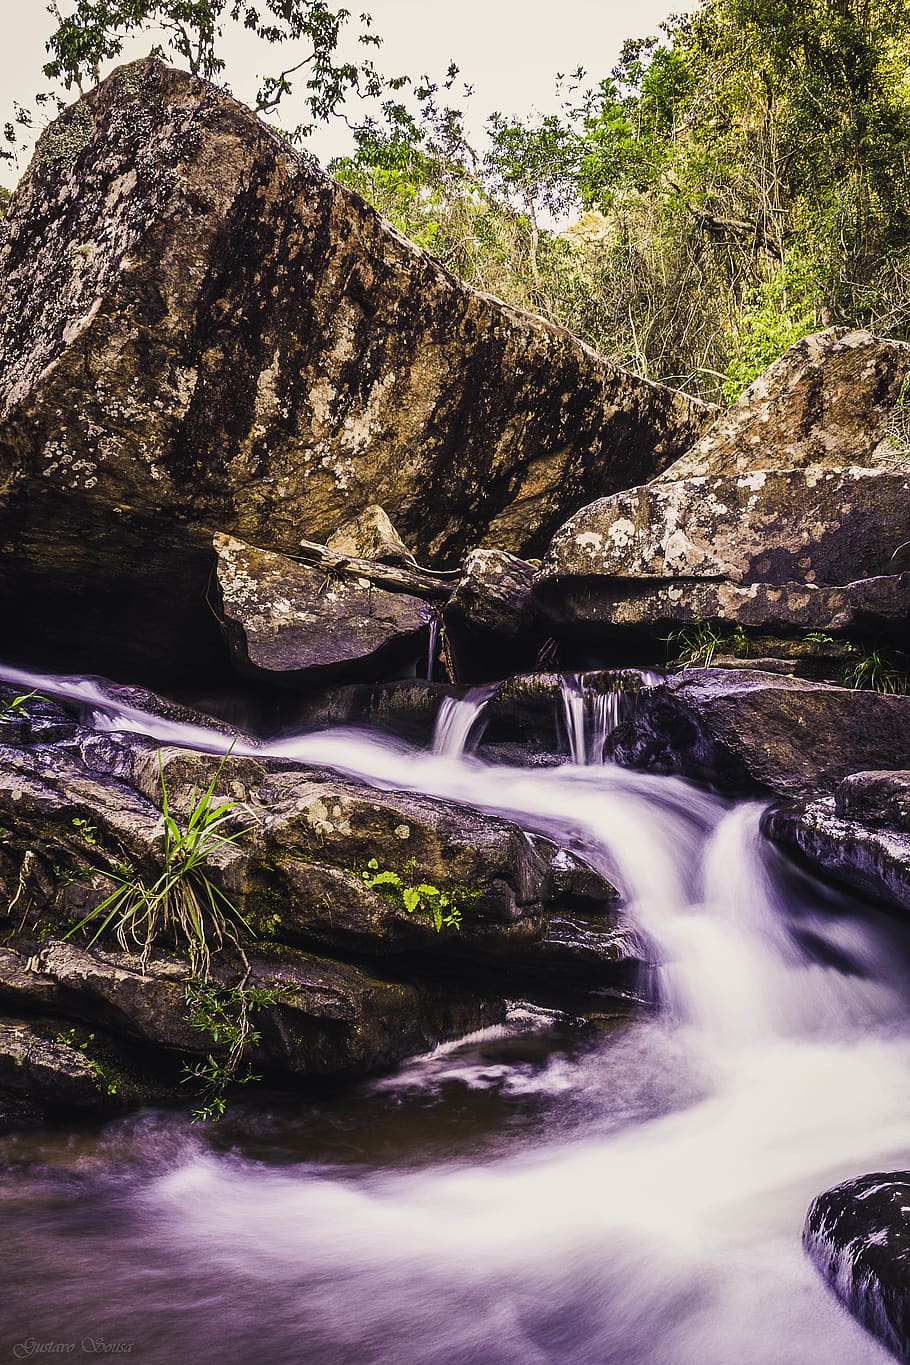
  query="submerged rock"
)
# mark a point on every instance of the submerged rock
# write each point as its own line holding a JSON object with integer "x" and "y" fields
{"x": 292, "y": 624}
{"x": 747, "y": 731}
{"x": 858, "y": 1235}
{"x": 267, "y": 358}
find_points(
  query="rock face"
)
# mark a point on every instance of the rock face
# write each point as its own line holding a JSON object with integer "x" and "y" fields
{"x": 291, "y": 624}
{"x": 744, "y": 731}
{"x": 881, "y": 798}
{"x": 858, "y": 1235}
{"x": 826, "y": 401}
{"x": 379, "y": 921}
{"x": 371, "y": 535}
{"x": 492, "y": 618}
{"x": 200, "y": 332}
{"x": 782, "y": 518}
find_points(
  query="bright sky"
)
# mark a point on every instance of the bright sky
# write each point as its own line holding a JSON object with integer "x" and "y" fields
{"x": 510, "y": 50}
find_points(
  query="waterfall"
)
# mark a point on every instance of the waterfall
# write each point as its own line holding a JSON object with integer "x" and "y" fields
{"x": 431, "y": 646}
{"x": 590, "y": 714}
{"x": 636, "y": 1195}
{"x": 457, "y": 721}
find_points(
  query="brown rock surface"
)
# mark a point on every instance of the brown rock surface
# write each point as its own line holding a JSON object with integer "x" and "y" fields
{"x": 201, "y": 331}
{"x": 290, "y": 623}
{"x": 826, "y": 401}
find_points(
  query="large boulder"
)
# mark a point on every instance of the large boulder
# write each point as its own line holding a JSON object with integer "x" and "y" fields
{"x": 293, "y": 624}
{"x": 825, "y": 402}
{"x": 201, "y": 331}
{"x": 858, "y": 1236}
{"x": 783, "y": 518}
{"x": 747, "y": 731}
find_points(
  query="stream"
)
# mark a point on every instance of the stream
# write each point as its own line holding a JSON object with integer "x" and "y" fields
{"x": 542, "y": 1191}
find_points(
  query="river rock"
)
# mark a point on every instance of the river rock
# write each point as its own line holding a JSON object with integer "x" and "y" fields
{"x": 201, "y": 331}
{"x": 851, "y": 852}
{"x": 858, "y": 1235}
{"x": 492, "y": 619}
{"x": 881, "y": 798}
{"x": 745, "y": 731}
{"x": 822, "y": 526}
{"x": 370, "y": 535}
{"x": 292, "y": 624}
{"x": 825, "y": 402}
{"x": 328, "y": 1017}
{"x": 867, "y": 606}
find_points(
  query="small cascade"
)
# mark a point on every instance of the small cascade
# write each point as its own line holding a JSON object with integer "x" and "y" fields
{"x": 431, "y": 647}
{"x": 590, "y": 715}
{"x": 458, "y": 719}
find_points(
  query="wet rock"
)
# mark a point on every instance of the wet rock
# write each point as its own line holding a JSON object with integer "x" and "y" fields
{"x": 826, "y": 401}
{"x": 327, "y": 1017}
{"x": 881, "y": 798}
{"x": 492, "y": 619}
{"x": 873, "y": 861}
{"x": 27, "y": 718}
{"x": 407, "y": 708}
{"x": 371, "y": 535}
{"x": 267, "y": 358}
{"x": 45, "y": 1061}
{"x": 302, "y": 871}
{"x": 858, "y": 1235}
{"x": 745, "y": 731}
{"x": 290, "y": 624}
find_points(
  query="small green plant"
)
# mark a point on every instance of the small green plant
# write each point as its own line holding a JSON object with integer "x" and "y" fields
{"x": 224, "y": 1013}
{"x": 182, "y": 901}
{"x": 697, "y": 645}
{"x": 71, "y": 1039}
{"x": 878, "y": 671}
{"x": 443, "y": 907}
{"x": 16, "y": 708}
{"x": 86, "y": 829}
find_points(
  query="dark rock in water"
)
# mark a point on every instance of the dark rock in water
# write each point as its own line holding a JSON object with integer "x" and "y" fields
{"x": 371, "y": 535}
{"x": 881, "y": 798}
{"x": 744, "y": 731}
{"x": 266, "y": 357}
{"x": 290, "y": 624}
{"x": 858, "y": 1235}
{"x": 28, "y": 718}
{"x": 59, "y": 1065}
{"x": 407, "y": 708}
{"x": 492, "y": 618}
{"x": 826, "y": 401}
{"x": 875, "y": 862}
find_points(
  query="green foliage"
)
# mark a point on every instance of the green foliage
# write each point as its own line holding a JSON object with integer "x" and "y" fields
{"x": 82, "y": 1042}
{"x": 17, "y": 706}
{"x": 694, "y": 646}
{"x": 85, "y": 829}
{"x": 180, "y": 901}
{"x": 878, "y": 670}
{"x": 225, "y": 1014}
{"x": 444, "y": 907}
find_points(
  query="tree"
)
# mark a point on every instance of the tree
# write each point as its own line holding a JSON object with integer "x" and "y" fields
{"x": 191, "y": 31}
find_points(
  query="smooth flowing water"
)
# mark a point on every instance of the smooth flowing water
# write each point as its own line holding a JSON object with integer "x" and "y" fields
{"x": 543, "y": 1191}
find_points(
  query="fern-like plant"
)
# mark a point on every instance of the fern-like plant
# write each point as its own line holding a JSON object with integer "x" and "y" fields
{"x": 182, "y": 902}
